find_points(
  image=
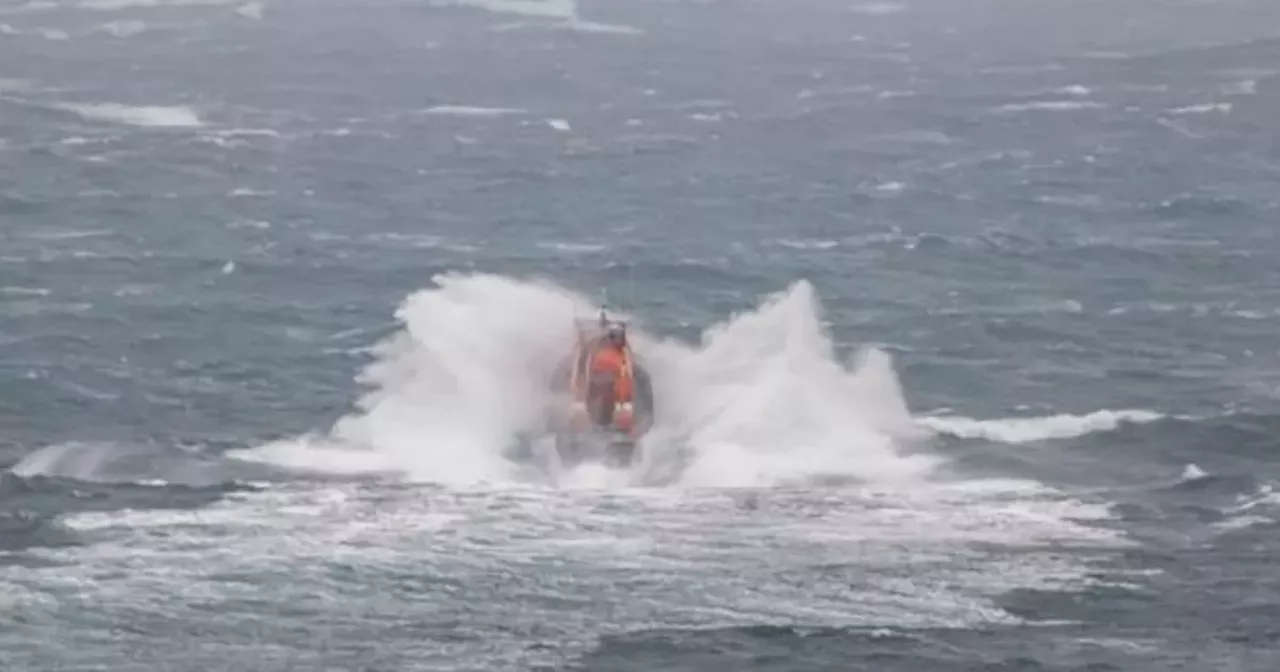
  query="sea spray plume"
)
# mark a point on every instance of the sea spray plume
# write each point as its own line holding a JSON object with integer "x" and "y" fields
{"x": 764, "y": 400}
{"x": 451, "y": 391}
{"x": 468, "y": 375}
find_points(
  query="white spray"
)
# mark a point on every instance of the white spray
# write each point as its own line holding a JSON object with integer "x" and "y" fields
{"x": 762, "y": 400}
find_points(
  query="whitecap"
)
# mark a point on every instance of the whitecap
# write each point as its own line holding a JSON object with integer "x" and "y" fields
{"x": 136, "y": 115}
{"x": 1029, "y": 429}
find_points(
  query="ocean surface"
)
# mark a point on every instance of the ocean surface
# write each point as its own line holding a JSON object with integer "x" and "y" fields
{"x": 961, "y": 315}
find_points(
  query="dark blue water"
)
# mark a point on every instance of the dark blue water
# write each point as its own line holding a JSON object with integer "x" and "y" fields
{"x": 961, "y": 318}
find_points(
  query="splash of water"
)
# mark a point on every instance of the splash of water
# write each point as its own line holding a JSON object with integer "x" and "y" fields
{"x": 451, "y": 391}
{"x": 762, "y": 400}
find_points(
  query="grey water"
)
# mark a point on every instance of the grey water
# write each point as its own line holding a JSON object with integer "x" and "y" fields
{"x": 961, "y": 317}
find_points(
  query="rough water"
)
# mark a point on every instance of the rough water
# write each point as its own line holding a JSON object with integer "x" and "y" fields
{"x": 961, "y": 317}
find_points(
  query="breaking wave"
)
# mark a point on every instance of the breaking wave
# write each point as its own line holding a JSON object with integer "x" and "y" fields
{"x": 1030, "y": 429}
{"x": 762, "y": 399}
{"x": 135, "y": 115}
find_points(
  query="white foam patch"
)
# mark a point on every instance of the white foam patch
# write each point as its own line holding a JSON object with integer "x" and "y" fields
{"x": 700, "y": 559}
{"x": 573, "y": 248}
{"x": 116, "y": 5}
{"x": 562, "y": 13}
{"x": 1241, "y": 522}
{"x": 1250, "y": 510}
{"x": 551, "y": 9}
{"x": 123, "y": 29}
{"x": 762, "y": 400}
{"x": 24, "y": 291}
{"x": 1025, "y": 430}
{"x": 245, "y": 223}
{"x": 51, "y": 34}
{"x": 252, "y": 10}
{"x": 1248, "y": 87}
{"x": 472, "y": 111}
{"x": 808, "y": 243}
{"x": 879, "y": 8}
{"x": 1193, "y": 472}
{"x": 247, "y": 192}
{"x": 76, "y": 141}
{"x": 247, "y": 133}
{"x": 1265, "y": 496}
{"x": 133, "y": 115}
{"x": 1051, "y": 106}
{"x": 68, "y": 234}
{"x": 581, "y": 26}
{"x": 1205, "y": 108}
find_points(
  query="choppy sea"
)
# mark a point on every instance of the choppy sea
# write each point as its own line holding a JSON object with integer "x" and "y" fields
{"x": 961, "y": 315}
